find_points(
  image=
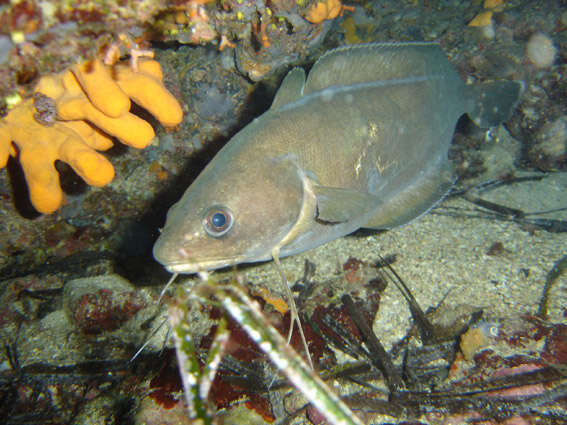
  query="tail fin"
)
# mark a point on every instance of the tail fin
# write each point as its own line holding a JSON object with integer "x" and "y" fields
{"x": 495, "y": 102}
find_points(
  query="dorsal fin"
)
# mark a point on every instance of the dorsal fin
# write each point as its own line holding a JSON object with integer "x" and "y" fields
{"x": 364, "y": 63}
{"x": 291, "y": 88}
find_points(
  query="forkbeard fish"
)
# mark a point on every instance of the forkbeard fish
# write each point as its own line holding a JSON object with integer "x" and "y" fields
{"x": 361, "y": 142}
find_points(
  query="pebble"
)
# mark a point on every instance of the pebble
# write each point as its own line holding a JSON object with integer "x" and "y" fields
{"x": 552, "y": 138}
{"x": 540, "y": 50}
{"x": 5, "y": 48}
{"x": 101, "y": 303}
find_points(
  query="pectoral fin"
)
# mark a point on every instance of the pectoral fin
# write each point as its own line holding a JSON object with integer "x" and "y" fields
{"x": 338, "y": 205}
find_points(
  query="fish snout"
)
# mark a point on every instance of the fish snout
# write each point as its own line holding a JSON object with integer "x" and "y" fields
{"x": 168, "y": 254}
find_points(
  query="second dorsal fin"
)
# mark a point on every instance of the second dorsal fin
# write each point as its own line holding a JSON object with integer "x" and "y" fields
{"x": 373, "y": 62}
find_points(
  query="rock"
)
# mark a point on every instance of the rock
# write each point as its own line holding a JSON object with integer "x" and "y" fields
{"x": 550, "y": 150}
{"x": 101, "y": 303}
{"x": 540, "y": 50}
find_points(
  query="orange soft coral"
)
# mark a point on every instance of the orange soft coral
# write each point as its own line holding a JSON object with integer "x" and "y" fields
{"x": 39, "y": 146}
{"x": 72, "y": 116}
{"x": 73, "y": 93}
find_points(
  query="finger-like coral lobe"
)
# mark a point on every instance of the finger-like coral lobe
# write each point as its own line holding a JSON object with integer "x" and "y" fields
{"x": 74, "y": 114}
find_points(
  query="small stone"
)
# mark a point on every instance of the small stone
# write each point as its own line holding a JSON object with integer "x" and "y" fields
{"x": 483, "y": 19}
{"x": 315, "y": 415}
{"x": 473, "y": 340}
{"x": 101, "y": 303}
{"x": 6, "y": 46}
{"x": 494, "y": 4}
{"x": 552, "y": 138}
{"x": 540, "y": 50}
{"x": 477, "y": 338}
{"x": 550, "y": 150}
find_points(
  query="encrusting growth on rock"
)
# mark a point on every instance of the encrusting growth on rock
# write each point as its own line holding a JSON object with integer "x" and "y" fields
{"x": 74, "y": 114}
{"x": 326, "y": 9}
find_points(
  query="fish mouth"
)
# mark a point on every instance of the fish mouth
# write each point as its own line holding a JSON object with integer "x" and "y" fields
{"x": 201, "y": 266}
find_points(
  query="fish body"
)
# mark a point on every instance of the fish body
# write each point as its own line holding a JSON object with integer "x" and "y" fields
{"x": 362, "y": 141}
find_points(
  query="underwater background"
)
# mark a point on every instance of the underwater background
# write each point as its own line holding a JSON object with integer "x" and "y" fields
{"x": 79, "y": 287}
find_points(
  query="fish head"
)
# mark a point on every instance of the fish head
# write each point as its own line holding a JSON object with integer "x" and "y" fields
{"x": 234, "y": 212}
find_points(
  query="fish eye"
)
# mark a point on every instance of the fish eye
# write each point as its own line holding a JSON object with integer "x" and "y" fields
{"x": 217, "y": 221}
